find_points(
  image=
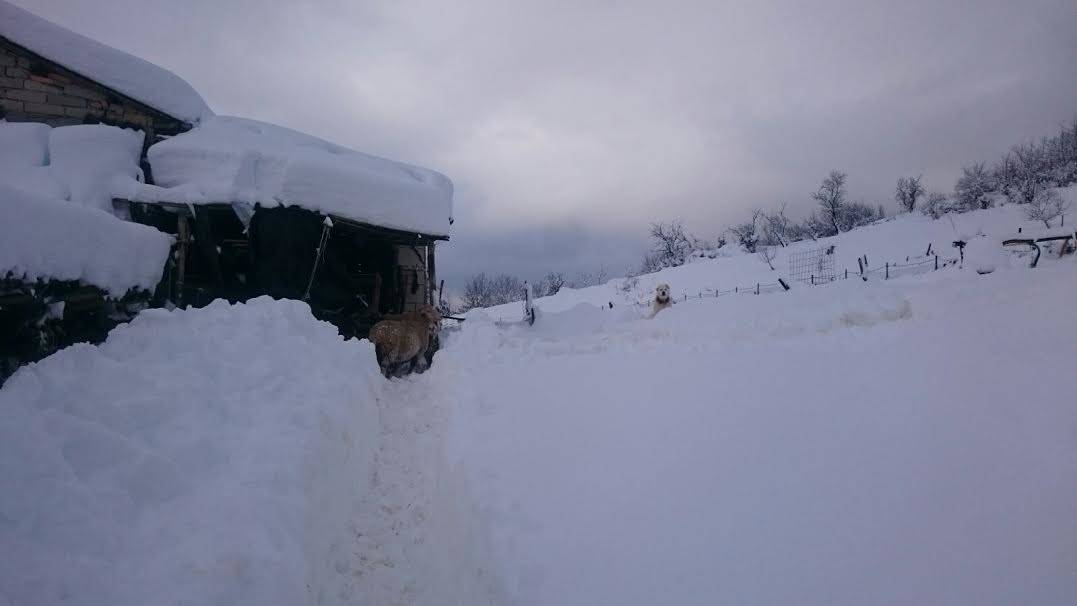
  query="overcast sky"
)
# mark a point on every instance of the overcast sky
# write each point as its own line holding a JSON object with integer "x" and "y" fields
{"x": 568, "y": 127}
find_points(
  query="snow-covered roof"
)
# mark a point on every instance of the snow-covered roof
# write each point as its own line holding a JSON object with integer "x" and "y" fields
{"x": 124, "y": 73}
{"x": 228, "y": 159}
{"x": 46, "y": 238}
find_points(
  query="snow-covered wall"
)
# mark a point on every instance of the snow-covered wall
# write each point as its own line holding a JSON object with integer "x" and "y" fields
{"x": 206, "y": 456}
{"x": 140, "y": 80}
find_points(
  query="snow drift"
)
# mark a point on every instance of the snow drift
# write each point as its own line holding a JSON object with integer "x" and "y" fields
{"x": 208, "y": 456}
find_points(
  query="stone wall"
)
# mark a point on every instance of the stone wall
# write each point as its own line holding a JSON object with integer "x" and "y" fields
{"x": 33, "y": 89}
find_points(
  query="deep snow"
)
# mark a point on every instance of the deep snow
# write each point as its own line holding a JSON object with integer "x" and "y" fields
{"x": 885, "y": 442}
{"x": 905, "y": 442}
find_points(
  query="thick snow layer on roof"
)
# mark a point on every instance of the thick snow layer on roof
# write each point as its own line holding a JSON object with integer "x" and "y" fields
{"x": 88, "y": 164}
{"x": 94, "y": 160}
{"x": 124, "y": 73}
{"x": 231, "y": 159}
{"x": 206, "y": 456}
{"x": 46, "y": 238}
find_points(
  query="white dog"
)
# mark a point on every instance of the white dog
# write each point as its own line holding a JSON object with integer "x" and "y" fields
{"x": 661, "y": 299}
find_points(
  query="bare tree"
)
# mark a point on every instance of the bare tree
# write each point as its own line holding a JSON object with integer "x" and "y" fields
{"x": 831, "y": 198}
{"x": 505, "y": 289}
{"x": 1046, "y": 206}
{"x": 671, "y": 243}
{"x": 776, "y": 227}
{"x": 855, "y": 214}
{"x": 908, "y": 192}
{"x": 590, "y": 278}
{"x": 476, "y": 293}
{"x": 747, "y": 234}
{"x": 767, "y": 254}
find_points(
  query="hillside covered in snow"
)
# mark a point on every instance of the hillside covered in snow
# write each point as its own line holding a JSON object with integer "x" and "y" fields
{"x": 908, "y": 243}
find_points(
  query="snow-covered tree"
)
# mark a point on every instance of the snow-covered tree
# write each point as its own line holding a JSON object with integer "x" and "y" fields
{"x": 831, "y": 198}
{"x": 908, "y": 192}
{"x": 550, "y": 285}
{"x": 672, "y": 244}
{"x": 973, "y": 188}
{"x": 1046, "y": 205}
{"x": 767, "y": 254}
{"x": 776, "y": 227}
{"x": 936, "y": 205}
{"x": 747, "y": 234}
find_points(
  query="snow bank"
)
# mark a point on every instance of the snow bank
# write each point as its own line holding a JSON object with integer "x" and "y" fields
{"x": 46, "y": 238}
{"x": 134, "y": 77}
{"x": 208, "y": 456}
{"x": 92, "y": 159}
{"x": 231, "y": 159}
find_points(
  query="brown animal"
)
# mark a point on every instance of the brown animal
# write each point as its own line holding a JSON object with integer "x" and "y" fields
{"x": 405, "y": 337}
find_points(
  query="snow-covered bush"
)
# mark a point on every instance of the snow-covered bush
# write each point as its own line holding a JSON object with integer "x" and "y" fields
{"x": 936, "y": 205}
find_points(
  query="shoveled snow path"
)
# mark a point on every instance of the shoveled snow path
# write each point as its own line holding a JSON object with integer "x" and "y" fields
{"x": 412, "y": 543}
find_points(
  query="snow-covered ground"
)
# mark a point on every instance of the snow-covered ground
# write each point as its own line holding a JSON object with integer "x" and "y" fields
{"x": 886, "y": 442}
{"x": 902, "y": 442}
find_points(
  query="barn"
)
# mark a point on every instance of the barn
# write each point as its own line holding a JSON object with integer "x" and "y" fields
{"x": 106, "y": 152}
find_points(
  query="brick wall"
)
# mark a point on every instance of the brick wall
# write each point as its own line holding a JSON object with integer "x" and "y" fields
{"x": 36, "y": 90}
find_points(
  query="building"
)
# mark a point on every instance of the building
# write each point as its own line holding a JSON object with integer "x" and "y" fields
{"x": 252, "y": 208}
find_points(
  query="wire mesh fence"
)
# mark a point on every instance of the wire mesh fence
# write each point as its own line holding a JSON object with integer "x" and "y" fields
{"x": 819, "y": 267}
{"x": 815, "y": 265}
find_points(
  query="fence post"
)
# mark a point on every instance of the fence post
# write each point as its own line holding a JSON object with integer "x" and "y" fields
{"x": 846, "y": 273}
{"x": 736, "y": 290}
{"x": 813, "y": 279}
{"x": 757, "y": 288}
{"x": 784, "y": 285}
{"x": 887, "y": 270}
{"x": 860, "y": 262}
{"x": 936, "y": 263}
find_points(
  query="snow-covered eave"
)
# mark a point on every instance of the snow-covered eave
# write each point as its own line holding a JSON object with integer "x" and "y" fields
{"x": 390, "y": 232}
{"x": 141, "y": 105}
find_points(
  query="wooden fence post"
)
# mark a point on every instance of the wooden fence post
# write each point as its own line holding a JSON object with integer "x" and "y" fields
{"x": 936, "y": 263}
{"x": 813, "y": 279}
{"x": 757, "y": 288}
{"x": 887, "y": 270}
